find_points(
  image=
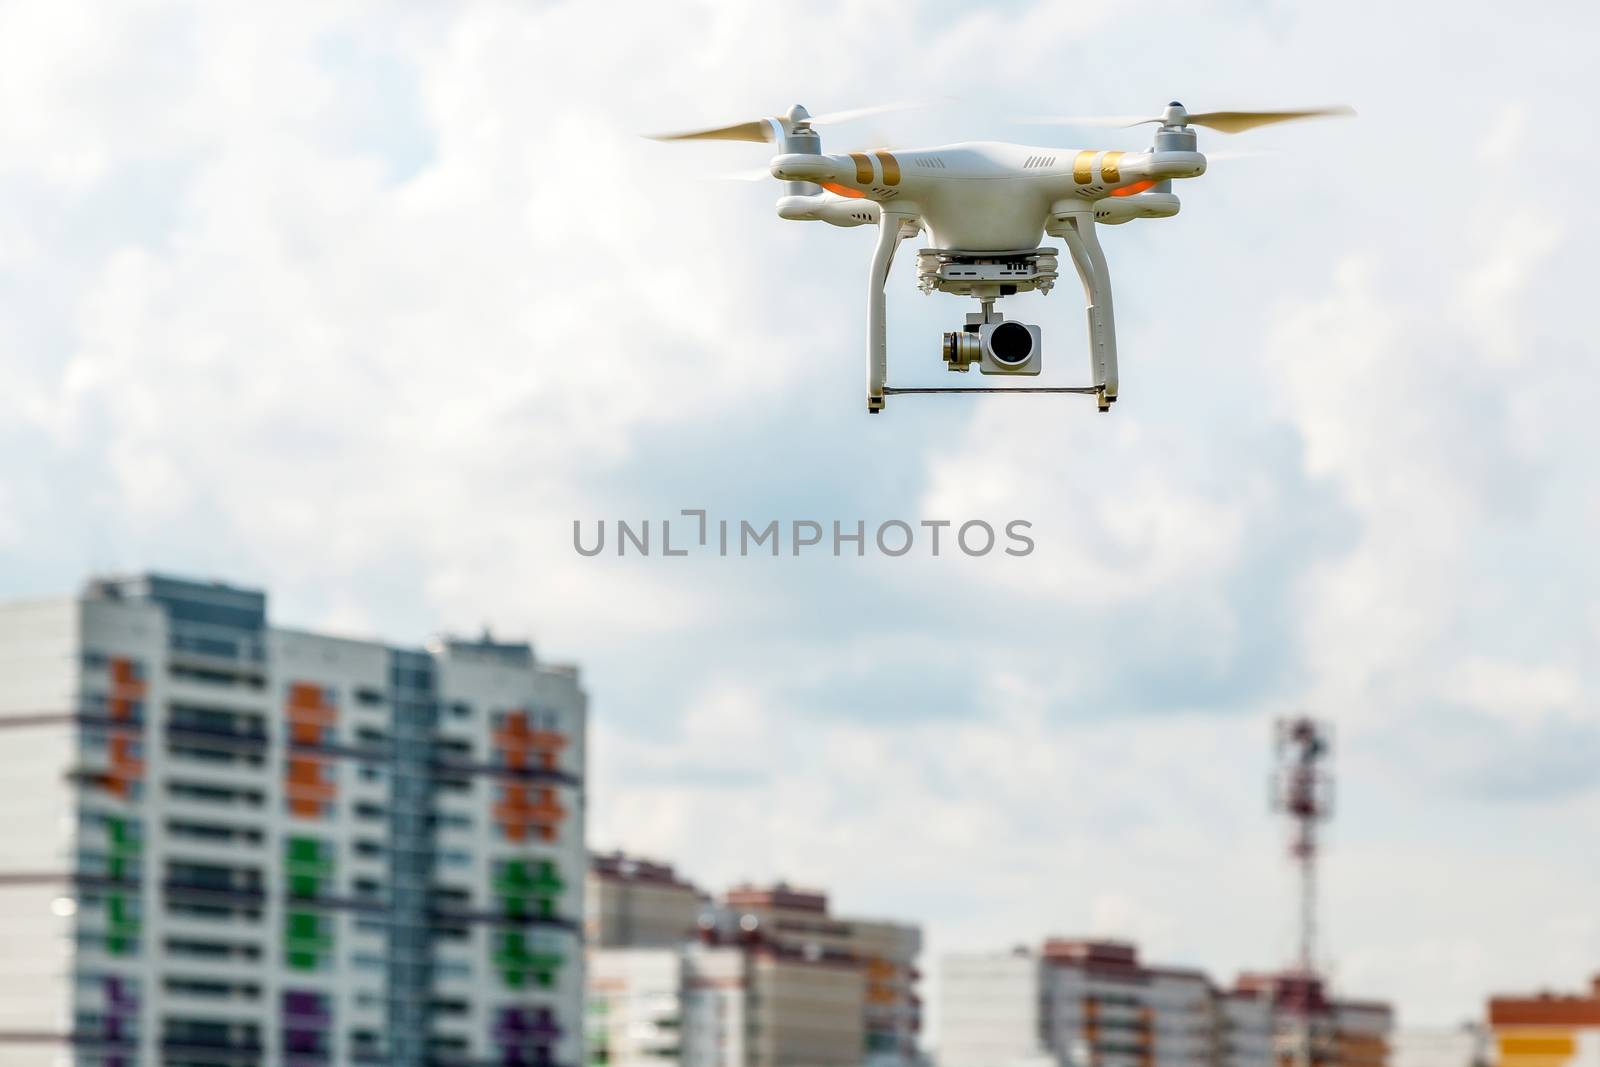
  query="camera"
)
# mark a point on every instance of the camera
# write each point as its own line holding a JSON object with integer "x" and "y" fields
{"x": 997, "y": 346}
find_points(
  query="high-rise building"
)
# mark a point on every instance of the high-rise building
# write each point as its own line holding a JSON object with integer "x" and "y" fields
{"x": 1094, "y": 1004}
{"x": 886, "y": 953}
{"x": 1547, "y": 1029}
{"x": 634, "y": 903}
{"x": 224, "y": 843}
{"x": 766, "y": 978}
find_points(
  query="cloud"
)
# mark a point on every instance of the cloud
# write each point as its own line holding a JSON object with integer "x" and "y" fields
{"x": 368, "y": 303}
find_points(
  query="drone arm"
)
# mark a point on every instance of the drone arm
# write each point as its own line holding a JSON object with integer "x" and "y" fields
{"x": 829, "y": 208}
{"x": 1077, "y": 228}
{"x": 893, "y": 227}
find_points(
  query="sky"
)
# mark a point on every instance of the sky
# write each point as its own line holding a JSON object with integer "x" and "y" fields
{"x": 368, "y": 303}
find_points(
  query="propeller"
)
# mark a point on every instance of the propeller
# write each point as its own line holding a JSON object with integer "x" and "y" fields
{"x": 1222, "y": 121}
{"x": 1230, "y": 155}
{"x": 773, "y": 127}
{"x": 755, "y": 174}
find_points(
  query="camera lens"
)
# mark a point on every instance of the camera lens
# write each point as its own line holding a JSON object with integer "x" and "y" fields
{"x": 1011, "y": 343}
{"x": 961, "y": 349}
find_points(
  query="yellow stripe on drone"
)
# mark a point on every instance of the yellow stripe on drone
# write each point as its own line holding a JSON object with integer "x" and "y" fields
{"x": 891, "y": 168}
{"x": 863, "y": 168}
{"x": 1111, "y": 168}
{"x": 1083, "y": 167}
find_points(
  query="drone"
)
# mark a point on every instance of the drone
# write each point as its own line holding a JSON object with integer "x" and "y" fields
{"x": 985, "y": 207}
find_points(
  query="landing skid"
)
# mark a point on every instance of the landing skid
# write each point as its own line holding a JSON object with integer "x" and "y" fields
{"x": 1104, "y": 402}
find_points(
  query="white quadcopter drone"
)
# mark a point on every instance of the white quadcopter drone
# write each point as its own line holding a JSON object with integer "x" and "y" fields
{"x": 986, "y": 206}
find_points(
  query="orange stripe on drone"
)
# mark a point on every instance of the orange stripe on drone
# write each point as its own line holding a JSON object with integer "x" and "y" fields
{"x": 842, "y": 190}
{"x": 1136, "y": 187}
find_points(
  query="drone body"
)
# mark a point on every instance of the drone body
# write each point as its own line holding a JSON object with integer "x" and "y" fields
{"x": 987, "y": 196}
{"x": 986, "y": 207}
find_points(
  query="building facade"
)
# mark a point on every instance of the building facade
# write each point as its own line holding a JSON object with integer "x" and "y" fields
{"x": 766, "y": 977}
{"x": 633, "y": 903}
{"x": 1094, "y": 1004}
{"x": 1312, "y": 1028}
{"x": 1546, "y": 1029}
{"x": 799, "y": 922}
{"x": 1466, "y": 1045}
{"x": 230, "y": 844}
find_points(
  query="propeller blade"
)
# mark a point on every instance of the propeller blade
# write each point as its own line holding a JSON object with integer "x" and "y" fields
{"x": 754, "y": 175}
{"x": 1239, "y": 121}
{"x": 1222, "y": 121}
{"x": 834, "y": 117}
{"x": 772, "y": 128}
{"x": 1231, "y": 155}
{"x": 759, "y": 130}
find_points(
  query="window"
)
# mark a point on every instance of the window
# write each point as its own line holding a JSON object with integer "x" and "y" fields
{"x": 207, "y": 1033}
{"x": 204, "y": 831}
{"x": 194, "y": 949}
{"x": 218, "y": 721}
{"x": 214, "y": 794}
{"x": 214, "y": 877}
{"x": 211, "y": 988}
{"x": 193, "y": 909}
{"x": 211, "y": 677}
{"x": 452, "y": 896}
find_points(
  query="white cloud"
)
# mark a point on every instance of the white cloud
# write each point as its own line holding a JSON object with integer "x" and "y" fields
{"x": 371, "y": 302}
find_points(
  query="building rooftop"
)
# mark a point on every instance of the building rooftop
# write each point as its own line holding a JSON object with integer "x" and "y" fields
{"x": 618, "y": 866}
{"x": 778, "y": 896}
{"x": 1547, "y": 1009}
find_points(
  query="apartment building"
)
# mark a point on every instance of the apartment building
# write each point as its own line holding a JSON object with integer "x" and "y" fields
{"x": 886, "y": 952}
{"x": 634, "y": 903}
{"x": 748, "y": 1004}
{"x": 1466, "y": 1045}
{"x": 1311, "y": 1027}
{"x": 766, "y": 978}
{"x": 1079, "y": 1003}
{"x": 1546, "y": 1029}
{"x": 224, "y": 843}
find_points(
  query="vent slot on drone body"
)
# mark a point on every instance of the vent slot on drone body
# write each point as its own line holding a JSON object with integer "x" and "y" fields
{"x": 930, "y": 162}
{"x": 1039, "y": 162}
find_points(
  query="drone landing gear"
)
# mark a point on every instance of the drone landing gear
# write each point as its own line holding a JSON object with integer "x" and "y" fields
{"x": 1102, "y": 401}
{"x": 1076, "y": 228}
{"x": 893, "y": 227}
